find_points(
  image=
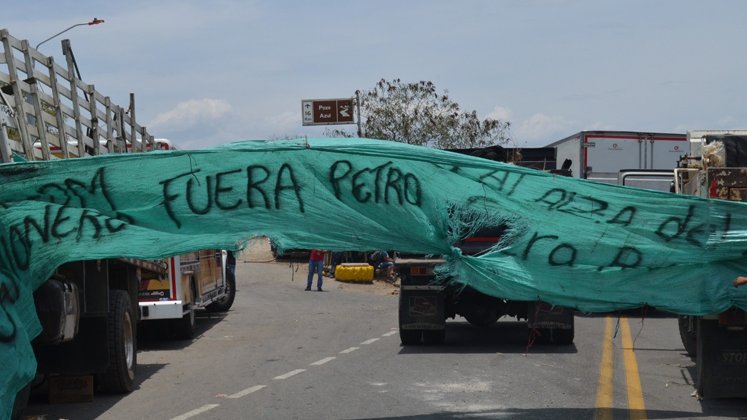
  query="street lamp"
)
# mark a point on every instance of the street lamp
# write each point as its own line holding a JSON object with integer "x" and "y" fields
{"x": 95, "y": 21}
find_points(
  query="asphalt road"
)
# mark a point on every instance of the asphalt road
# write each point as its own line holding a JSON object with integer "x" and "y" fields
{"x": 284, "y": 353}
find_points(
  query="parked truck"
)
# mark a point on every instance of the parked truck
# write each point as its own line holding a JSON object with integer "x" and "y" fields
{"x": 601, "y": 155}
{"x": 716, "y": 167}
{"x": 425, "y": 305}
{"x": 187, "y": 283}
{"x": 90, "y": 310}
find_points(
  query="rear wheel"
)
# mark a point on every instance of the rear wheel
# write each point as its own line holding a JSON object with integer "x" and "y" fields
{"x": 434, "y": 337}
{"x": 185, "y": 327}
{"x": 224, "y": 304}
{"x": 120, "y": 330}
{"x": 557, "y": 336}
{"x": 688, "y": 335}
{"x": 410, "y": 337}
{"x": 20, "y": 403}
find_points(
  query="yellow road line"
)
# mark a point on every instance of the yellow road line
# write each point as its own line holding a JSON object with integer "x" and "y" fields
{"x": 636, "y": 408}
{"x": 604, "y": 385}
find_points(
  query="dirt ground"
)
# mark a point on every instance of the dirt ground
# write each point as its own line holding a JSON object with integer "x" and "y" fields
{"x": 258, "y": 251}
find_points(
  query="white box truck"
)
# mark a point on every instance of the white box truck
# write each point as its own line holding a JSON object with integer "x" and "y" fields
{"x": 601, "y": 155}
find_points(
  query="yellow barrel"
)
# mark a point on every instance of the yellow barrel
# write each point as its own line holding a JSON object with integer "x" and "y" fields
{"x": 354, "y": 272}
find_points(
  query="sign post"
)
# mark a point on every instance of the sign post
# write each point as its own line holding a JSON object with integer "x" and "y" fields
{"x": 327, "y": 111}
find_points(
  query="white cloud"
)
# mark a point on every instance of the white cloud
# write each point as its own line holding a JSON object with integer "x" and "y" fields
{"x": 190, "y": 113}
{"x": 536, "y": 130}
{"x": 284, "y": 122}
{"x": 501, "y": 113}
{"x": 729, "y": 121}
{"x": 541, "y": 128}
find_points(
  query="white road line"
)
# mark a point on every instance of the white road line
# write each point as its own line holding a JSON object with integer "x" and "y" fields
{"x": 323, "y": 361}
{"x": 349, "y": 350}
{"x": 247, "y": 391}
{"x": 289, "y": 374}
{"x": 389, "y": 333}
{"x": 196, "y": 411}
{"x": 369, "y": 341}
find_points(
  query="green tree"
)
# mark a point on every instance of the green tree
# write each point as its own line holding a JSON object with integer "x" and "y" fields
{"x": 416, "y": 113}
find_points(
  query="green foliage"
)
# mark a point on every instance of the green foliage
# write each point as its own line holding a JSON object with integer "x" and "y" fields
{"x": 416, "y": 113}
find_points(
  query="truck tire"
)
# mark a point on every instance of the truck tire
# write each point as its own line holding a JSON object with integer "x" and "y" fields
{"x": 121, "y": 341}
{"x": 688, "y": 335}
{"x": 434, "y": 337}
{"x": 410, "y": 337}
{"x": 705, "y": 376}
{"x": 561, "y": 337}
{"x": 185, "y": 327}
{"x": 224, "y": 304}
{"x": 20, "y": 403}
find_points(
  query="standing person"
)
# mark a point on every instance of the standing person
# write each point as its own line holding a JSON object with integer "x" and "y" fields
{"x": 316, "y": 265}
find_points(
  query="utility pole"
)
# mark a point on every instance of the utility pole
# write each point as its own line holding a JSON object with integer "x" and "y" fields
{"x": 358, "y": 105}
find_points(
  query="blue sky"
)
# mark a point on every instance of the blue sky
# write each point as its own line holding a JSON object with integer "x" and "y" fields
{"x": 210, "y": 72}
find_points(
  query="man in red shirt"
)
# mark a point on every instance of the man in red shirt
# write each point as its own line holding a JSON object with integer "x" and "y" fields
{"x": 316, "y": 265}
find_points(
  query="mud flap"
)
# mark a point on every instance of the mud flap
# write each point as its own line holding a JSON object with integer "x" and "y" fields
{"x": 721, "y": 361}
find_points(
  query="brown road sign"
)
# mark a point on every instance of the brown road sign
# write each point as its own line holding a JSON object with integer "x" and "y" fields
{"x": 327, "y": 111}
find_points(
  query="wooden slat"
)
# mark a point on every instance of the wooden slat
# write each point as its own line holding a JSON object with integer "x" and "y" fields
{"x": 94, "y": 120}
{"x": 72, "y": 79}
{"x": 8, "y": 45}
{"x": 59, "y": 114}
{"x": 41, "y": 130}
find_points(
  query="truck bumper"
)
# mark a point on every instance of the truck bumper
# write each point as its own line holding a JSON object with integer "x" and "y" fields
{"x": 173, "y": 309}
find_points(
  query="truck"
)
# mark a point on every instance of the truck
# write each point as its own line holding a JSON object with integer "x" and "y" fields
{"x": 187, "y": 283}
{"x": 90, "y": 310}
{"x": 716, "y": 167}
{"x": 601, "y": 155}
{"x": 425, "y": 304}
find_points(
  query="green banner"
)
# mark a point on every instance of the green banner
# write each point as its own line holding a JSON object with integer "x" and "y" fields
{"x": 569, "y": 242}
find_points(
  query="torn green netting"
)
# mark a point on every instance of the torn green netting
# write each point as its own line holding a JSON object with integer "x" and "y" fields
{"x": 590, "y": 246}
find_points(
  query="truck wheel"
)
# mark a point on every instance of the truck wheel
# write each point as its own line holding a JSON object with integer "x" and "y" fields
{"x": 20, "y": 403}
{"x": 688, "y": 335}
{"x": 434, "y": 337}
{"x": 185, "y": 327}
{"x": 561, "y": 337}
{"x": 409, "y": 337}
{"x": 120, "y": 333}
{"x": 224, "y": 304}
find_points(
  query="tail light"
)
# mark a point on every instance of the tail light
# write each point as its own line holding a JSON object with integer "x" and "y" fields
{"x": 713, "y": 189}
{"x": 421, "y": 270}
